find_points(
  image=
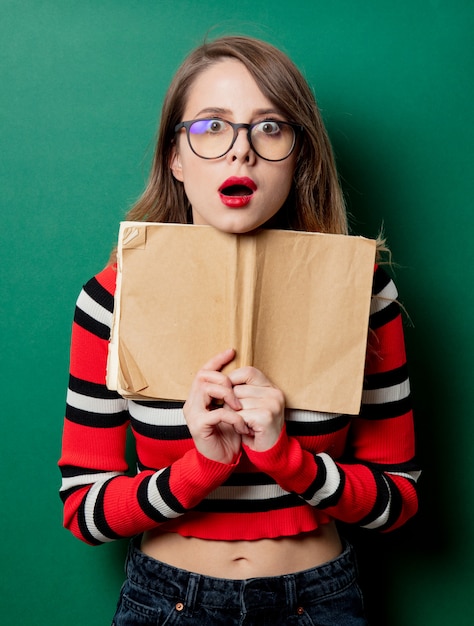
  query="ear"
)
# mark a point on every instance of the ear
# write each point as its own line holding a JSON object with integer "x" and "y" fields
{"x": 175, "y": 164}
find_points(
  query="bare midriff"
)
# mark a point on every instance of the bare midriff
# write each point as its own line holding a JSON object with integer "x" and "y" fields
{"x": 244, "y": 559}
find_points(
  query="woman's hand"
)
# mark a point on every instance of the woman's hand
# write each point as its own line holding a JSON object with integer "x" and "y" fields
{"x": 263, "y": 407}
{"x": 211, "y": 412}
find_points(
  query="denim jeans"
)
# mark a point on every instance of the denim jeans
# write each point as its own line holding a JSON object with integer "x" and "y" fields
{"x": 157, "y": 594}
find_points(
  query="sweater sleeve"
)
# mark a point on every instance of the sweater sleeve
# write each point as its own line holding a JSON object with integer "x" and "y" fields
{"x": 374, "y": 483}
{"x": 102, "y": 502}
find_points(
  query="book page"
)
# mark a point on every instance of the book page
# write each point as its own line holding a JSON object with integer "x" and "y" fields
{"x": 312, "y": 317}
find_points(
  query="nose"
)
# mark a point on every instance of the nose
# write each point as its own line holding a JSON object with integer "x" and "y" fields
{"x": 242, "y": 150}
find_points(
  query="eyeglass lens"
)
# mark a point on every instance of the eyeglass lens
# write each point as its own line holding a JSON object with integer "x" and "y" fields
{"x": 212, "y": 138}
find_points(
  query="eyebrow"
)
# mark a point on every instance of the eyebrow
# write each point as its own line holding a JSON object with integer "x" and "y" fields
{"x": 223, "y": 112}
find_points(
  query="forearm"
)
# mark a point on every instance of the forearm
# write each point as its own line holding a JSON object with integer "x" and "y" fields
{"x": 367, "y": 494}
{"x": 113, "y": 505}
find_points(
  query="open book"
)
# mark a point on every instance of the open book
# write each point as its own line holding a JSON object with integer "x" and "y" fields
{"x": 293, "y": 304}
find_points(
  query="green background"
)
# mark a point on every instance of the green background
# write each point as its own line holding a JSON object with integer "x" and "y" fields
{"x": 80, "y": 90}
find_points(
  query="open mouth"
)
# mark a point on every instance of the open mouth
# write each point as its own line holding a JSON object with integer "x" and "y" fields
{"x": 234, "y": 191}
{"x": 237, "y": 187}
{"x": 237, "y": 191}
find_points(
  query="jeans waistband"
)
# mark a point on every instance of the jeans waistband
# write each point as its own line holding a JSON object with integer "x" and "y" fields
{"x": 189, "y": 587}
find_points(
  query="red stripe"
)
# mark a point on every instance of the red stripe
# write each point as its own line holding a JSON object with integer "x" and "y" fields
{"x": 386, "y": 347}
{"x": 83, "y": 447}
{"x": 108, "y": 278}
{"x": 384, "y": 441}
{"x": 88, "y": 355}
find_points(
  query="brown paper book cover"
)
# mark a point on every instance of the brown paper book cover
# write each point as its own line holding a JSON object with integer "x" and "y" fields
{"x": 293, "y": 304}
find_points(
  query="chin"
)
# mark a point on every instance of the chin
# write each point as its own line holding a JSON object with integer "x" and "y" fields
{"x": 241, "y": 223}
{"x": 233, "y": 221}
{"x": 240, "y": 229}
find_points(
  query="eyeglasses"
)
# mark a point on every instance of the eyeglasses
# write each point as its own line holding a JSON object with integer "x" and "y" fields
{"x": 212, "y": 138}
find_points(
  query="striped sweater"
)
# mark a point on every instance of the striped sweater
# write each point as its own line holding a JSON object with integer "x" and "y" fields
{"x": 360, "y": 469}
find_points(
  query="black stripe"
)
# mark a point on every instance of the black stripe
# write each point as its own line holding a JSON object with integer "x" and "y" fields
{"x": 386, "y": 379}
{"x": 81, "y": 519}
{"x": 163, "y": 433}
{"x": 96, "y": 420}
{"x": 248, "y": 479}
{"x": 159, "y": 404}
{"x": 386, "y": 410}
{"x": 380, "y": 281}
{"x": 94, "y": 390}
{"x": 145, "y": 505}
{"x": 333, "y": 499}
{"x": 71, "y": 471}
{"x": 396, "y": 505}
{"x": 65, "y": 493}
{"x": 99, "y": 515}
{"x": 163, "y": 483}
{"x": 294, "y": 428}
{"x": 90, "y": 324}
{"x": 384, "y": 316}
{"x": 381, "y": 501}
{"x": 316, "y": 428}
{"x": 99, "y": 294}
{"x": 318, "y": 482}
{"x": 249, "y": 506}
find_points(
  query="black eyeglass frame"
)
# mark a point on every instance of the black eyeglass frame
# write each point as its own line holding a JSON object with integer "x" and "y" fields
{"x": 297, "y": 128}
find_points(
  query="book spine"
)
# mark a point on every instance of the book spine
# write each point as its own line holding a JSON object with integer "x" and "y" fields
{"x": 246, "y": 274}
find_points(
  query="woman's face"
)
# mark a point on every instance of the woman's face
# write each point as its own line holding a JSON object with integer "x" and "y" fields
{"x": 256, "y": 189}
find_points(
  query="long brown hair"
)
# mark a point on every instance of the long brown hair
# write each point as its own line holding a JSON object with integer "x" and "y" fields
{"x": 315, "y": 202}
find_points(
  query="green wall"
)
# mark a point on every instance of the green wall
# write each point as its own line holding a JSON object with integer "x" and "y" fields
{"x": 80, "y": 91}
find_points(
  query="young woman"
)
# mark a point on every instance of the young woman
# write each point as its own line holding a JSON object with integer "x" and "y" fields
{"x": 234, "y": 507}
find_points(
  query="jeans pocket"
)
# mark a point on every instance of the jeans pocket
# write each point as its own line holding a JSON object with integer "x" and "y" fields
{"x": 129, "y": 612}
{"x": 138, "y": 606}
{"x": 343, "y": 608}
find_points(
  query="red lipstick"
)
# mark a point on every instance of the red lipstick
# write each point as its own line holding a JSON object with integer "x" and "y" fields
{"x": 236, "y": 192}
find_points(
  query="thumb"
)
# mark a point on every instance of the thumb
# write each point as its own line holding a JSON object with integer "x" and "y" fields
{"x": 249, "y": 375}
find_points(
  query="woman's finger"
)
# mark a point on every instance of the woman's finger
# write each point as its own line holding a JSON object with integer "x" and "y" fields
{"x": 249, "y": 376}
{"x": 218, "y": 361}
{"x": 226, "y": 416}
{"x": 222, "y": 393}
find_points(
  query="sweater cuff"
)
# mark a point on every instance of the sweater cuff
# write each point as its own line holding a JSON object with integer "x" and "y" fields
{"x": 286, "y": 462}
{"x": 194, "y": 476}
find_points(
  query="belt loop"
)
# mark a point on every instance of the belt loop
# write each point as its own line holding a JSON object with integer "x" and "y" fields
{"x": 290, "y": 589}
{"x": 192, "y": 590}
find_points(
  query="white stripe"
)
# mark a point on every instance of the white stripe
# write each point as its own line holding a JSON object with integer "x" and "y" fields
{"x": 174, "y": 417}
{"x": 87, "y": 479}
{"x": 107, "y": 406}
{"x": 155, "y": 499}
{"x": 412, "y": 476}
{"x": 247, "y": 492}
{"x": 385, "y": 297}
{"x": 386, "y": 394}
{"x": 89, "y": 507}
{"x": 94, "y": 309}
{"x": 157, "y": 416}
{"x": 333, "y": 480}
{"x": 299, "y": 415}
